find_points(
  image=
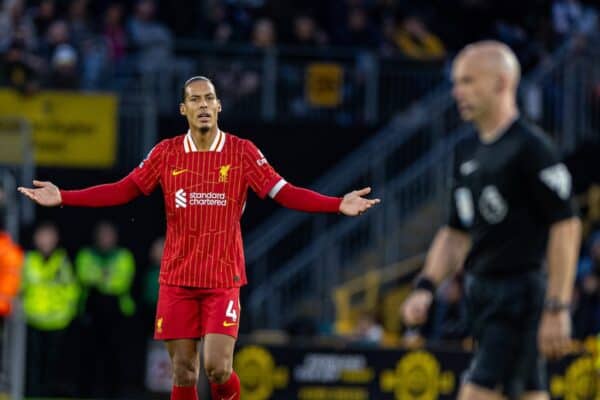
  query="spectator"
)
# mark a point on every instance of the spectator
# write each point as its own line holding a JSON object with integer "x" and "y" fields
{"x": 151, "y": 39}
{"x": 80, "y": 27}
{"x": 306, "y": 33}
{"x": 114, "y": 33}
{"x": 50, "y": 296}
{"x": 91, "y": 47}
{"x": 15, "y": 24}
{"x": 415, "y": 41}
{"x": 64, "y": 72}
{"x": 358, "y": 30}
{"x": 216, "y": 26}
{"x": 58, "y": 33}
{"x": 106, "y": 273}
{"x": 223, "y": 33}
{"x": 20, "y": 69}
{"x": 11, "y": 261}
{"x": 572, "y": 17}
{"x": 43, "y": 15}
{"x": 263, "y": 34}
{"x": 367, "y": 331}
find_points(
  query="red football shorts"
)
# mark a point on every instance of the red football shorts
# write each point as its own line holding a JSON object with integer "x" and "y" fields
{"x": 191, "y": 313}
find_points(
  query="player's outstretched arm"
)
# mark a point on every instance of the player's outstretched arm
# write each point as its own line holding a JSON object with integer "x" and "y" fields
{"x": 297, "y": 198}
{"x": 45, "y": 193}
{"x": 354, "y": 203}
{"x": 111, "y": 194}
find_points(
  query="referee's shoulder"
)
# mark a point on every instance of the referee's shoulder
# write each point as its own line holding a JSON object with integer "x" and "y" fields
{"x": 534, "y": 137}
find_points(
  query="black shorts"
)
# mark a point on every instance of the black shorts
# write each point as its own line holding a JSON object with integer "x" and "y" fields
{"x": 504, "y": 314}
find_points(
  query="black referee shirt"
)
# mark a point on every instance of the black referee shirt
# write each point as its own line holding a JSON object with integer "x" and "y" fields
{"x": 505, "y": 195}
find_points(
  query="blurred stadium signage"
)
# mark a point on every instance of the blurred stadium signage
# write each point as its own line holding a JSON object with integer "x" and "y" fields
{"x": 69, "y": 129}
{"x": 324, "y": 84}
{"x": 281, "y": 372}
{"x": 15, "y": 139}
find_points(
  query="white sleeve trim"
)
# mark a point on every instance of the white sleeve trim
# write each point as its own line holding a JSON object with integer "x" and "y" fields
{"x": 278, "y": 186}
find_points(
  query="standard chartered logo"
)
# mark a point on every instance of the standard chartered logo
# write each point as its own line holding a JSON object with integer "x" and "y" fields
{"x": 180, "y": 199}
{"x": 183, "y": 199}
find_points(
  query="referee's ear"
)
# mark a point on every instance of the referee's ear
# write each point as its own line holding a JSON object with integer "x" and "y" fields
{"x": 502, "y": 83}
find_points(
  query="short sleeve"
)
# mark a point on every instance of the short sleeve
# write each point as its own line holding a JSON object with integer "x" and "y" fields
{"x": 259, "y": 174}
{"x": 460, "y": 207}
{"x": 147, "y": 175}
{"x": 548, "y": 180}
{"x": 461, "y": 204}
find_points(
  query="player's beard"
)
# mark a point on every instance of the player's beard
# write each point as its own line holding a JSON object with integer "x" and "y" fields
{"x": 204, "y": 129}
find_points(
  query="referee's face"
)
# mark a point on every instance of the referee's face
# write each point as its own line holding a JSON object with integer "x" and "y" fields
{"x": 473, "y": 87}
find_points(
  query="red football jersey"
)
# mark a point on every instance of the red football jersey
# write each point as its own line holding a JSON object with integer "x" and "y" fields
{"x": 205, "y": 195}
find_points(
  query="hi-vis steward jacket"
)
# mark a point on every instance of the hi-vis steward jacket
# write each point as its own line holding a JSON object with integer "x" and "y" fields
{"x": 50, "y": 290}
{"x": 110, "y": 274}
{"x": 11, "y": 261}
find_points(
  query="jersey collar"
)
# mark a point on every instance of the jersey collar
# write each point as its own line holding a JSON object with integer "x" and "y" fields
{"x": 217, "y": 145}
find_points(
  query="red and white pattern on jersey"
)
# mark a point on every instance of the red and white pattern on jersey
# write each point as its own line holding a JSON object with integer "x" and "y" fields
{"x": 205, "y": 194}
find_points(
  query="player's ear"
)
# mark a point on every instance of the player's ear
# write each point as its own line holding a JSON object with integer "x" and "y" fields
{"x": 181, "y": 108}
{"x": 219, "y": 108}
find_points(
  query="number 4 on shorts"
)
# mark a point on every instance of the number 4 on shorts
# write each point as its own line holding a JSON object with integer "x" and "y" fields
{"x": 231, "y": 311}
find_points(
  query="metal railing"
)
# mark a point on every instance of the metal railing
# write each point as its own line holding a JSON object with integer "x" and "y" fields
{"x": 276, "y": 84}
{"x": 297, "y": 258}
{"x": 16, "y": 165}
{"x": 137, "y": 132}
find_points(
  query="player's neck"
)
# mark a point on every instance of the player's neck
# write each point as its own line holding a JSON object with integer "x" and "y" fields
{"x": 495, "y": 124}
{"x": 203, "y": 140}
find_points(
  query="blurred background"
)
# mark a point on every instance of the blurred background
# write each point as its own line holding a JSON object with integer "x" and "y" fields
{"x": 338, "y": 94}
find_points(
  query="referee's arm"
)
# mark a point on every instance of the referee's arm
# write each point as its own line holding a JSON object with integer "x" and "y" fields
{"x": 563, "y": 248}
{"x": 444, "y": 258}
{"x": 446, "y": 254}
{"x": 549, "y": 186}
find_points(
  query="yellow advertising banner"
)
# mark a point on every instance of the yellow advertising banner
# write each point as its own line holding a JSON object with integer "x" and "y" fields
{"x": 324, "y": 84}
{"x": 69, "y": 129}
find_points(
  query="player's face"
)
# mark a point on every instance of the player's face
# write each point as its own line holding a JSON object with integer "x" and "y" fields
{"x": 201, "y": 106}
{"x": 473, "y": 88}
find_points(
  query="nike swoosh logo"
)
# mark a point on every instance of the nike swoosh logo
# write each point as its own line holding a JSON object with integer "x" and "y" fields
{"x": 178, "y": 171}
{"x": 228, "y": 324}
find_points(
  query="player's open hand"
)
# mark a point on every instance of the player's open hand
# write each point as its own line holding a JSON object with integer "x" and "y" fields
{"x": 354, "y": 203}
{"x": 45, "y": 193}
{"x": 554, "y": 336}
{"x": 416, "y": 307}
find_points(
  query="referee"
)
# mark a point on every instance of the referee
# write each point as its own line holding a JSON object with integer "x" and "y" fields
{"x": 510, "y": 210}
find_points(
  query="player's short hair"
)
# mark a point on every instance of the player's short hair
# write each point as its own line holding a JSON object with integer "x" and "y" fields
{"x": 192, "y": 80}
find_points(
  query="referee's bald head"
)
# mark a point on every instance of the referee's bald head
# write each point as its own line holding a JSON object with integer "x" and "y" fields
{"x": 494, "y": 57}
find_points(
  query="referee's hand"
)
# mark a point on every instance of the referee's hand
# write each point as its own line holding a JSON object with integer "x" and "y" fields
{"x": 554, "y": 336}
{"x": 416, "y": 307}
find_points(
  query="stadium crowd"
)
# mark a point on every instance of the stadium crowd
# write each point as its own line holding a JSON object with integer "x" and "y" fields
{"x": 80, "y": 44}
